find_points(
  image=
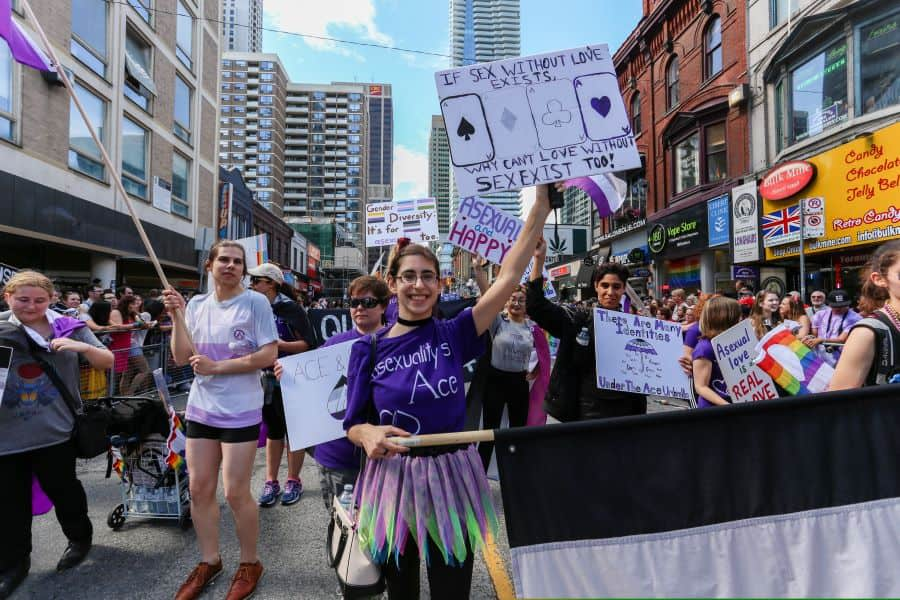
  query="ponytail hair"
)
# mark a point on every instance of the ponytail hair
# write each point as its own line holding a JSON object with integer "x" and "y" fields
{"x": 874, "y": 296}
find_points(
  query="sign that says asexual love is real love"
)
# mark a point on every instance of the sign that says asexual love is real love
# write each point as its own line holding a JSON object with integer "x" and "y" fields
{"x": 519, "y": 122}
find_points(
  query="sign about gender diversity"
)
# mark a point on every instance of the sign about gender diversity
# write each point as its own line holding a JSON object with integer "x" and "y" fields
{"x": 413, "y": 219}
{"x": 735, "y": 350}
{"x": 314, "y": 387}
{"x": 536, "y": 119}
{"x": 639, "y": 354}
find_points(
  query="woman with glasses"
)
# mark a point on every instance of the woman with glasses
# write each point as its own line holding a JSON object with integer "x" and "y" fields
{"x": 414, "y": 385}
{"x": 294, "y": 337}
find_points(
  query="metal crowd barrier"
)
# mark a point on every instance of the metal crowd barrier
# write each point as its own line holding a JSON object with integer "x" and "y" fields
{"x": 132, "y": 374}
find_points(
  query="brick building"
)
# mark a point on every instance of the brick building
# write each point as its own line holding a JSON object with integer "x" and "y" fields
{"x": 683, "y": 76}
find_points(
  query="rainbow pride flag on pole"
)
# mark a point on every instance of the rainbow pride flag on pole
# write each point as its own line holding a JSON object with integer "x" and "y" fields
{"x": 794, "y": 367}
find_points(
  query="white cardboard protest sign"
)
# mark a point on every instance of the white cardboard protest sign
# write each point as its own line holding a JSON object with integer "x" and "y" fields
{"x": 314, "y": 389}
{"x": 639, "y": 354}
{"x": 735, "y": 350}
{"x": 414, "y": 219}
{"x": 535, "y": 119}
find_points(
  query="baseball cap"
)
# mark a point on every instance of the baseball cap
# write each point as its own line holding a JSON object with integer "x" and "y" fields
{"x": 838, "y": 299}
{"x": 269, "y": 270}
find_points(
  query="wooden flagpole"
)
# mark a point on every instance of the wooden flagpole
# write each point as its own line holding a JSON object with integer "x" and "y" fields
{"x": 114, "y": 172}
{"x": 445, "y": 439}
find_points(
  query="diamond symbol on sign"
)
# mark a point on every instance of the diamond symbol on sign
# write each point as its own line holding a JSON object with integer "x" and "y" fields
{"x": 508, "y": 119}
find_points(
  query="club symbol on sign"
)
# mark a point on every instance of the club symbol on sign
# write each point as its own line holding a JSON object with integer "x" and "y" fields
{"x": 465, "y": 129}
{"x": 508, "y": 119}
{"x": 601, "y": 105}
{"x": 555, "y": 114}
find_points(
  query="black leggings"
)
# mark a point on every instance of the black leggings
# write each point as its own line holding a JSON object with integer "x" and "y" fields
{"x": 444, "y": 581}
{"x": 54, "y": 467}
{"x": 502, "y": 388}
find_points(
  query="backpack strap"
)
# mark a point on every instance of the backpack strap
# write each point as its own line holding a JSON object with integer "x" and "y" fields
{"x": 887, "y": 349}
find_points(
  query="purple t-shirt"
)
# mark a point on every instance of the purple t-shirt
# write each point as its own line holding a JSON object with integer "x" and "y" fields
{"x": 704, "y": 349}
{"x": 692, "y": 335}
{"x": 417, "y": 383}
{"x": 392, "y": 311}
{"x": 339, "y": 453}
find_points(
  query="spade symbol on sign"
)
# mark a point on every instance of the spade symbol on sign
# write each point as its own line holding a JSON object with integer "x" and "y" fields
{"x": 465, "y": 129}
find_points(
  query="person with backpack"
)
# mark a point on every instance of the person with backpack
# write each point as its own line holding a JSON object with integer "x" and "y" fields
{"x": 871, "y": 354}
{"x": 294, "y": 336}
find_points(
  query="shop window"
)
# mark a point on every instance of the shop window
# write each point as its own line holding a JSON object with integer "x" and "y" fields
{"x": 819, "y": 92}
{"x": 636, "y": 113}
{"x": 879, "y": 63}
{"x": 672, "y": 82}
{"x": 712, "y": 45}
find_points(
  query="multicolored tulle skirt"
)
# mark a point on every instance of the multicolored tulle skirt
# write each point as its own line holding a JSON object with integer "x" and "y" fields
{"x": 444, "y": 497}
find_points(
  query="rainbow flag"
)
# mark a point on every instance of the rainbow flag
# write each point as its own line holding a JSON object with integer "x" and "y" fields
{"x": 683, "y": 272}
{"x": 176, "y": 442}
{"x": 794, "y": 367}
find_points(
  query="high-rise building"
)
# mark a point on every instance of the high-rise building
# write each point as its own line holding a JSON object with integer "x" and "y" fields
{"x": 483, "y": 31}
{"x": 439, "y": 172}
{"x": 242, "y": 22}
{"x": 252, "y": 96}
{"x": 147, "y": 80}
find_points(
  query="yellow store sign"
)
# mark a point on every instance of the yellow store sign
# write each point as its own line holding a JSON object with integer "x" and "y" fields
{"x": 860, "y": 184}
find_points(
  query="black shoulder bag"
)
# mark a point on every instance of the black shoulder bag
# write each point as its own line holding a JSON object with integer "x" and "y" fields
{"x": 89, "y": 434}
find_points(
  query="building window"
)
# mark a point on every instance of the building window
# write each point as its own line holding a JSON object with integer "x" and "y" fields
{"x": 266, "y": 77}
{"x": 265, "y": 123}
{"x": 819, "y": 92}
{"x": 354, "y": 96}
{"x": 7, "y": 87}
{"x": 354, "y": 118}
{"x": 134, "y": 158}
{"x": 266, "y": 88}
{"x": 264, "y": 170}
{"x": 265, "y": 111}
{"x": 264, "y": 158}
{"x": 226, "y": 74}
{"x": 142, "y": 7}
{"x": 779, "y": 115}
{"x": 184, "y": 35}
{"x": 712, "y": 43}
{"x": 226, "y": 63}
{"x": 263, "y": 182}
{"x": 265, "y": 135}
{"x": 267, "y": 66}
{"x": 687, "y": 163}
{"x": 84, "y": 156}
{"x": 318, "y": 95}
{"x": 780, "y": 10}
{"x": 879, "y": 63}
{"x": 183, "y": 92}
{"x": 139, "y": 86}
{"x": 89, "y": 43}
{"x": 636, "y": 113}
{"x": 716, "y": 156}
{"x": 672, "y": 82}
{"x": 355, "y": 107}
{"x": 181, "y": 177}
{"x": 266, "y": 99}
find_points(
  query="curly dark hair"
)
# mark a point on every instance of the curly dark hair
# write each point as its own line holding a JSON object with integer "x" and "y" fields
{"x": 619, "y": 270}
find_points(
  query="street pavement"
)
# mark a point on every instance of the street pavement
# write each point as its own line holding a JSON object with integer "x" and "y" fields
{"x": 148, "y": 559}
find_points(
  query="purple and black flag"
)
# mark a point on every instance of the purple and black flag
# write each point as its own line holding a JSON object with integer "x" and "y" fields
{"x": 784, "y": 498}
{"x": 23, "y": 49}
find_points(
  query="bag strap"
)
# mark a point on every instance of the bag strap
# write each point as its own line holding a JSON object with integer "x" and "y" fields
{"x": 48, "y": 367}
{"x": 886, "y": 342}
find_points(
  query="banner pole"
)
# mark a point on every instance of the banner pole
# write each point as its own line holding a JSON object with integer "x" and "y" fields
{"x": 115, "y": 176}
{"x": 445, "y": 439}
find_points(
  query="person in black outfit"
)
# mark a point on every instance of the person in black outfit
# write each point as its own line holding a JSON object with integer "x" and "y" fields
{"x": 573, "y": 394}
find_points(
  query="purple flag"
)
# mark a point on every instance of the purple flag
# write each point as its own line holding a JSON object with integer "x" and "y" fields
{"x": 607, "y": 191}
{"x": 22, "y": 47}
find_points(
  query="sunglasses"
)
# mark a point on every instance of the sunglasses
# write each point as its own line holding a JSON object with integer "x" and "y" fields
{"x": 258, "y": 279}
{"x": 367, "y": 302}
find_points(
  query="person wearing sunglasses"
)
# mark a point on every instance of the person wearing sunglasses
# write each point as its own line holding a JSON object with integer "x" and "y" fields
{"x": 294, "y": 336}
{"x": 339, "y": 459}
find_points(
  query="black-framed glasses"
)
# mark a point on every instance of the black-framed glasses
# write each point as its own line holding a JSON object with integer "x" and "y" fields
{"x": 367, "y": 302}
{"x": 258, "y": 279}
{"x": 427, "y": 277}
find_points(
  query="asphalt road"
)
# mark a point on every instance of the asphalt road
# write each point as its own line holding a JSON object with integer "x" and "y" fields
{"x": 148, "y": 559}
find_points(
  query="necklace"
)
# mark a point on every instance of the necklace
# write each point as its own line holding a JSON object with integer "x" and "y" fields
{"x": 413, "y": 323}
{"x": 891, "y": 313}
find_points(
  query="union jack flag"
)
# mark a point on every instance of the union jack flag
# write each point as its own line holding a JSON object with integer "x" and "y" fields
{"x": 781, "y": 223}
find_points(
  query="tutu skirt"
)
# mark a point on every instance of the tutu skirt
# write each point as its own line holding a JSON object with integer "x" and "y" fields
{"x": 445, "y": 497}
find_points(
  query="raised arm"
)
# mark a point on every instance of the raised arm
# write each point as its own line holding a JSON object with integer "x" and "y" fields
{"x": 514, "y": 263}
{"x": 550, "y": 317}
{"x": 478, "y": 267}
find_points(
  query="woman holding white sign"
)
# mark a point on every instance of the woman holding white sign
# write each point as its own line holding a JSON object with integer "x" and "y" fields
{"x": 413, "y": 384}
{"x": 719, "y": 315}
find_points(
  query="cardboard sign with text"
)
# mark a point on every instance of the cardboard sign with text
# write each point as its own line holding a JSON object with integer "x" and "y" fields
{"x": 518, "y": 122}
{"x": 413, "y": 219}
{"x": 735, "y": 350}
{"x": 639, "y": 355}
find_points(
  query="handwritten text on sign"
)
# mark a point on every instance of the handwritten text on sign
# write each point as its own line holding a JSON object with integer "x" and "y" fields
{"x": 537, "y": 119}
{"x": 639, "y": 355}
{"x": 413, "y": 219}
{"x": 314, "y": 388}
{"x": 735, "y": 351}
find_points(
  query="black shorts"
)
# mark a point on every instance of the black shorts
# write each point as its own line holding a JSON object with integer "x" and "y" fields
{"x": 273, "y": 414}
{"x": 226, "y": 435}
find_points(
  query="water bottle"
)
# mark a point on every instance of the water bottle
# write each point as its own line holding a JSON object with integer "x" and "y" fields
{"x": 583, "y": 338}
{"x": 346, "y": 498}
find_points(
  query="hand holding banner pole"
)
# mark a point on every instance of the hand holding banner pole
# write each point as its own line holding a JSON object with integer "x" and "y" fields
{"x": 114, "y": 172}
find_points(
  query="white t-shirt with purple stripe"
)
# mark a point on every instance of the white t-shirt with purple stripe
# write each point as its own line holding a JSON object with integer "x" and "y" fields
{"x": 221, "y": 330}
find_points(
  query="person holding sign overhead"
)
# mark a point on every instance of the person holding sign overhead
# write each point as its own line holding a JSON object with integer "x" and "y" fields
{"x": 573, "y": 394}
{"x": 412, "y": 383}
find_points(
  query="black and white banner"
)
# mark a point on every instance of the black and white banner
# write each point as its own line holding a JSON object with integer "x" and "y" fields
{"x": 782, "y": 498}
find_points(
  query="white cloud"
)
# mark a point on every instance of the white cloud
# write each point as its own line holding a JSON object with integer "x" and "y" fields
{"x": 410, "y": 173}
{"x": 352, "y": 19}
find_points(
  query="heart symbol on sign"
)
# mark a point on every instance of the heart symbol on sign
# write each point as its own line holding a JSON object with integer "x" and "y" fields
{"x": 601, "y": 105}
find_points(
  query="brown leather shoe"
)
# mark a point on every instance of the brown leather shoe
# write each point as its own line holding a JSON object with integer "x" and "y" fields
{"x": 197, "y": 581}
{"x": 244, "y": 582}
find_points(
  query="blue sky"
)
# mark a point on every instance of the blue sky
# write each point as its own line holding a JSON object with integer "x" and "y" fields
{"x": 547, "y": 25}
